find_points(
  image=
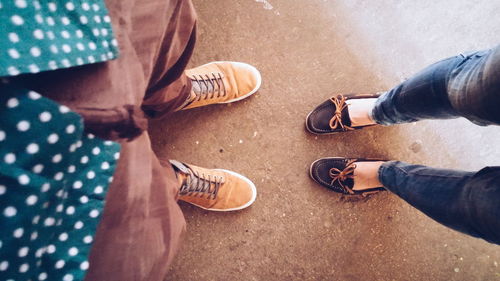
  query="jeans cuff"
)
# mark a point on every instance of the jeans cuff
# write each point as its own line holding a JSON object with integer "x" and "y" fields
{"x": 382, "y": 174}
{"x": 374, "y": 114}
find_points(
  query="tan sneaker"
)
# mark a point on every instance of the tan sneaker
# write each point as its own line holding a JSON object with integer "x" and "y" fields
{"x": 221, "y": 82}
{"x": 214, "y": 189}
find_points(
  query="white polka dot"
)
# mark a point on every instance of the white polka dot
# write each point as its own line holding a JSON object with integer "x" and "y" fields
{"x": 39, "y": 18}
{"x": 84, "y": 20}
{"x": 70, "y": 6}
{"x": 91, "y": 59}
{"x": 35, "y": 51}
{"x": 49, "y": 221}
{"x": 21, "y": 4}
{"x": 79, "y": 144}
{"x": 84, "y": 265}
{"x": 98, "y": 190}
{"x": 91, "y": 175}
{"x": 63, "y": 236}
{"x": 38, "y": 34}
{"x": 87, "y": 239}
{"x": 96, "y": 150}
{"x": 4, "y": 265}
{"x": 36, "y": 219}
{"x": 105, "y": 165}
{"x": 17, "y": 20}
{"x": 77, "y": 185}
{"x": 63, "y": 109}
{"x": 45, "y": 187}
{"x": 97, "y": 18}
{"x": 79, "y": 61}
{"x": 53, "y": 138}
{"x": 71, "y": 169}
{"x": 12, "y": 102}
{"x": 13, "y": 53}
{"x": 114, "y": 42}
{"x": 45, "y": 116}
{"x": 59, "y": 176}
{"x": 84, "y": 199}
{"x": 13, "y": 37}
{"x": 42, "y": 276}
{"x": 23, "y": 179}
{"x": 65, "y": 34}
{"x": 31, "y": 200}
{"x": 2, "y": 135}
{"x": 94, "y": 213}
{"x": 84, "y": 160}
{"x": 52, "y": 65}
{"x": 59, "y": 208}
{"x": 52, "y": 6}
{"x": 59, "y": 264}
{"x": 117, "y": 155}
{"x": 65, "y": 62}
{"x": 13, "y": 71}
{"x": 2, "y": 189}
{"x": 80, "y": 46}
{"x": 78, "y": 225}
{"x": 34, "y": 95}
{"x": 92, "y": 46}
{"x": 95, "y": 7}
{"x": 23, "y": 252}
{"x": 85, "y": 6}
{"x": 23, "y": 126}
{"x": 104, "y": 32}
{"x": 65, "y": 21}
{"x": 34, "y": 236}
{"x": 106, "y": 18}
{"x": 24, "y": 267}
{"x": 10, "y": 211}
{"x": 105, "y": 44}
{"x": 103, "y": 57}
{"x": 57, "y": 158}
{"x": 9, "y": 158}
{"x": 70, "y": 210}
{"x": 73, "y": 251}
{"x": 68, "y": 277}
{"x": 96, "y": 32}
{"x": 37, "y": 169}
{"x": 51, "y": 35}
{"x": 70, "y": 129}
{"x": 36, "y": 4}
{"x": 66, "y": 48}
{"x": 79, "y": 33}
{"x": 54, "y": 49}
{"x": 34, "y": 68}
{"x": 110, "y": 180}
{"x": 51, "y": 249}
{"x": 18, "y": 233}
{"x": 50, "y": 21}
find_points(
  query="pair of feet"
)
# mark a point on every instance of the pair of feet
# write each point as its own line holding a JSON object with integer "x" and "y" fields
{"x": 224, "y": 190}
{"x": 341, "y": 114}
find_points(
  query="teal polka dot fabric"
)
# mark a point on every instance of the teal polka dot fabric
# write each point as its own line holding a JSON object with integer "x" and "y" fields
{"x": 47, "y": 35}
{"x": 53, "y": 182}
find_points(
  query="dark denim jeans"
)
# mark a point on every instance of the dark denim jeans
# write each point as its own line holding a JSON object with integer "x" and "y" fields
{"x": 461, "y": 86}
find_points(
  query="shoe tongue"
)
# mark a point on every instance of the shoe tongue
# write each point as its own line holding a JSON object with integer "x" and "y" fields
{"x": 179, "y": 166}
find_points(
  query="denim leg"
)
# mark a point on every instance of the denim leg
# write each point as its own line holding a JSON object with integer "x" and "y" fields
{"x": 464, "y": 85}
{"x": 465, "y": 201}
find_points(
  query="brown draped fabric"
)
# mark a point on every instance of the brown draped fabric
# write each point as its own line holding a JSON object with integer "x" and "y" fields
{"x": 142, "y": 223}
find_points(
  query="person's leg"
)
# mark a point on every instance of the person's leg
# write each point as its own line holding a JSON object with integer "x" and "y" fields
{"x": 464, "y": 85}
{"x": 464, "y": 201}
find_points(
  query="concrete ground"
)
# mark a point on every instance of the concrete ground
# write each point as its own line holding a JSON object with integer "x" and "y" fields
{"x": 306, "y": 50}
